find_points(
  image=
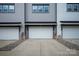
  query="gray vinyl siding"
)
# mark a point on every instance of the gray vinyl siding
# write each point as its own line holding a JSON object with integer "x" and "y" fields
{"x": 17, "y": 16}
{"x": 64, "y": 15}
{"x": 40, "y": 17}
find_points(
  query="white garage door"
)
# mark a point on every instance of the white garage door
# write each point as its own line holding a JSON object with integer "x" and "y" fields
{"x": 71, "y": 32}
{"x": 40, "y": 32}
{"x": 9, "y": 33}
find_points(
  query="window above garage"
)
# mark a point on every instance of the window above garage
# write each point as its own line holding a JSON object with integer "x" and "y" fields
{"x": 40, "y": 8}
{"x": 7, "y": 8}
{"x": 72, "y": 7}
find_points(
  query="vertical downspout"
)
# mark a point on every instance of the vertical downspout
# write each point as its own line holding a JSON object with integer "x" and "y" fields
{"x": 24, "y": 12}
{"x": 55, "y": 27}
{"x": 26, "y": 31}
{"x": 24, "y": 19}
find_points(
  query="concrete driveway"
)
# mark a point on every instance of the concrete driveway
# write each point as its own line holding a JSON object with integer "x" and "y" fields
{"x": 40, "y": 48}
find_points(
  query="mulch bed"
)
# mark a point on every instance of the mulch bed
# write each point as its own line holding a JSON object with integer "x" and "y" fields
{"x": 68, "y": 44}
{"x": 11, "y": 46}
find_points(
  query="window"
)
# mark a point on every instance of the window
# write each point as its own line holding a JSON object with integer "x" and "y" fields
{"x": 11, "y": 8}
{"x": 40, "y": 8}
{"x": 0, "y": 8}
{"x": 7, "y": 8}
{"x": 73, "y": 7}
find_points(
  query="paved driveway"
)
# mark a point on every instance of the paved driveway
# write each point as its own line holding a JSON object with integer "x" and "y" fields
{"x": 40, "y": 48}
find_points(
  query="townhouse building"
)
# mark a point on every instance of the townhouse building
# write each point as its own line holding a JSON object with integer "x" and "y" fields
{"x": 68, "y": 20}
{"x": 39, "y": 20}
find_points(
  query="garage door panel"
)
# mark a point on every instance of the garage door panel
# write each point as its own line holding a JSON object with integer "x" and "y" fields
{"x": 9, "y": 33}
{"x": 40, "y": 32}
{"x": 71, "y": 32}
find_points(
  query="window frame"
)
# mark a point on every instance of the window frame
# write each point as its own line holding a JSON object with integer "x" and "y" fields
{"x": 37, "y": 10}
{"x": 8, "y": 4}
